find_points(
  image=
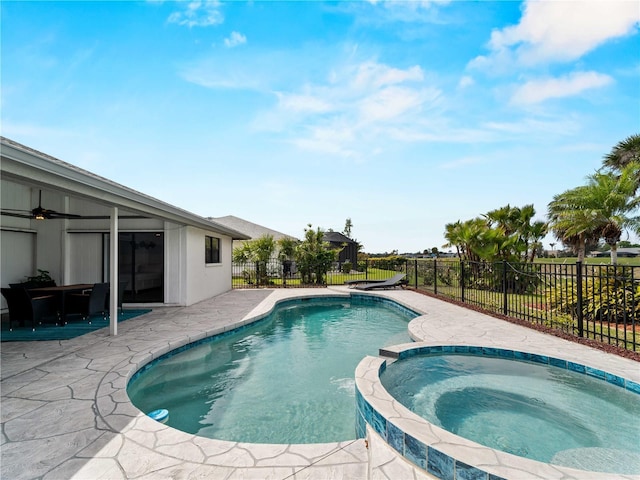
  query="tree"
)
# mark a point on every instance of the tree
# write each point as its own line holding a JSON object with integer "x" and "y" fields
{"x": 314, "y": 256}
{"x": 570, "y": 222}
{"x": 287, "y": 249}
{"x": 516, "y": 222}
{"x": 506, "y": 233}
{"x": 347, "y": 228}
{"x": 258, "y": 251}
{"x": 616, "y": 201}
{"x": 624, "y": 153}
{"x": 600, "y": 209}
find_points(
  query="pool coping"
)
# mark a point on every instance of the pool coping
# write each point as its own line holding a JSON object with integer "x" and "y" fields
{"x": 65, "y": 402}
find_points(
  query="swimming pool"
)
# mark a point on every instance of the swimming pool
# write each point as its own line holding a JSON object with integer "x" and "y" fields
{"x": 287, "y": 378}
{"x": 557, "y": 415}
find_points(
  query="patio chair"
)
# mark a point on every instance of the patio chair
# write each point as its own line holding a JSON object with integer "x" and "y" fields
{"x": 24, "y": 308}
{"x": 358, "y": 281}
{"x": 121, "y": 288}
{"x": 88, "y": 304}
{"x": 398, "y": 280}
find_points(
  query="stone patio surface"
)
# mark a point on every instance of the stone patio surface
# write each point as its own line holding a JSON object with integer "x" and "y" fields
{"x": 65, "y": 413}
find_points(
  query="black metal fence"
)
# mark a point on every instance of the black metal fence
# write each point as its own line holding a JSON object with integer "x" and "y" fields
{"x": 600, "y": 302}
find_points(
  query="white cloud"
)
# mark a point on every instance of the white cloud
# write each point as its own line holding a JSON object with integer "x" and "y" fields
{"x": 198, "y": 13}
{"x": 405, "y": 11}
{"x": 372, "y": 74}
{"x": 356, "y": 107}
{"x": 393, "y": 102}
{"x": 537, "y": 91}
{"x": 465, "y": 81}
{"x": 235, "y": 39}
{"x": 559, "y": 31}
{"x": 304, "y": 103}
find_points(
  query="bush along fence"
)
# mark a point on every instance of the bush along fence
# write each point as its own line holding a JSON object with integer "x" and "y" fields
{"x": 600, "y": 302}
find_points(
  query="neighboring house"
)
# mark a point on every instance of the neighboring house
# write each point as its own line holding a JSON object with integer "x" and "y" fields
{"x": 349, "y": 248}
{"x": 251, "y": 230}
{"x": 622, "y": 252}
{"x": 165, "y": 255}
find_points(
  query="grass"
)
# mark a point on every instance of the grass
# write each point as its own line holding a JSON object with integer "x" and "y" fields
{"x": 630, "y": 261}
{"x": 333, "y": 278}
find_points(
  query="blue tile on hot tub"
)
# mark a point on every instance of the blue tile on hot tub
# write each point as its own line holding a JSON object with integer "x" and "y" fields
{"x": 439, "y": 464}
{"x": 379, "y": 424}
{"x": 614, "y": 379}
{"x": 415, "y": 451}
{"x": 534, "y": 357}
{"x": 632, "y": 386}
{"x": 495, "y": 477}
{"x": 360, "y": 401}
{"x": 557, "y": 362}
{"x": 490, "y": 351}
{"x": 576, "y": 367}
{"x": 518, "y": 355}
{"x": 361, "y": 426}
{"x": 467, "y": 472}
{"x": 594, "y": 372}
{"x": 506, "y": 353}
{"x": 395, "y": 437}
{"x": 367, "y": 412}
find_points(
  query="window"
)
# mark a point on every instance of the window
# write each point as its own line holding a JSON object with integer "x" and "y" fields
{"x": 211, "y": 249}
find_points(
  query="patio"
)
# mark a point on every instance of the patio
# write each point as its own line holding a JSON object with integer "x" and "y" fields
{"x": 65, "y": 413}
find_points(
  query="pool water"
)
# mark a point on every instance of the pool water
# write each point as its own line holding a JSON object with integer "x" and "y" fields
{"x": 541, "y": 412}
{"x": 289, "y": 379}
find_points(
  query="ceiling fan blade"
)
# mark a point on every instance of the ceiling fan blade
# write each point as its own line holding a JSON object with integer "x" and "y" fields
{"x": 10, "y": 213}
{"x": 18, "y": 210}
{"x": 52, "y": 215}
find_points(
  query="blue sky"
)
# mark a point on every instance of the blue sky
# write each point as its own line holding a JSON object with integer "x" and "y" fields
{"x": 403, "y": 116}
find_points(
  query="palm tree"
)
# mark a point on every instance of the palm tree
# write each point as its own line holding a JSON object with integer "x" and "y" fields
{"x": 516, "y": 222}
{"x": 466, "y": 237}
{"x": 624, "y": 153}
{"x": 616, "y": 195}
{"x": 258, "y": 251}
{"x": 597, "y": 210}
{"x": 571, "y": 224}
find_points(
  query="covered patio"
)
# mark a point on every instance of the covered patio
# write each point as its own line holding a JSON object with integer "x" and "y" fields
{"x": 61, "y": 219}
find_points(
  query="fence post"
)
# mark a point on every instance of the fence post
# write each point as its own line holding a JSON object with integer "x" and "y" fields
{"x": 435, "y": 276}
{"x": 415, "y": 265}
{"x": 462, "y": 280}
{"x": 579, "y": 299}
{"x": 366, "y": 269}
{"x": 505, "y": 299}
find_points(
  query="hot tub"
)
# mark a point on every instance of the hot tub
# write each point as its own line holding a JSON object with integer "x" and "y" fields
{"x": 491, "y": 387}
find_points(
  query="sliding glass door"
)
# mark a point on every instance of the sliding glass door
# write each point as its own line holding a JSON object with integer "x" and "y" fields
{"x": 141, "y": 266}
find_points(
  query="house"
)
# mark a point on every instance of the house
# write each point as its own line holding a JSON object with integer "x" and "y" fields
{"x": 348, "y": 248}
{"x": 252, "y": 230}
{"x": 62, "y": 219}
{"x": 625, "y": 252}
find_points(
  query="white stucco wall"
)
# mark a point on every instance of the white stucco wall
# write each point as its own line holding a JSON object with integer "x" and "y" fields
{"x": 206, "y": 280}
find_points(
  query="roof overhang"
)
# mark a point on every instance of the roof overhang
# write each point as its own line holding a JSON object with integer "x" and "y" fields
{"x": 24, "y": 165}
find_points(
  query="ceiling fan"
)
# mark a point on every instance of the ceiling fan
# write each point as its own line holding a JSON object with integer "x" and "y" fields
{"x": 38, "y": 213}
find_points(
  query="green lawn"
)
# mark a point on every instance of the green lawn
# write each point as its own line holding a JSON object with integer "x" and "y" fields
{"x": 635, "y": 261}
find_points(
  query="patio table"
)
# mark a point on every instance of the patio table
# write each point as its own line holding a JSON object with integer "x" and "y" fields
{"x": 61, "y": 292}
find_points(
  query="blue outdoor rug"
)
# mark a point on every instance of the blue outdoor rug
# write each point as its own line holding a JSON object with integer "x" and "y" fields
{"x": 51, "y": 331}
